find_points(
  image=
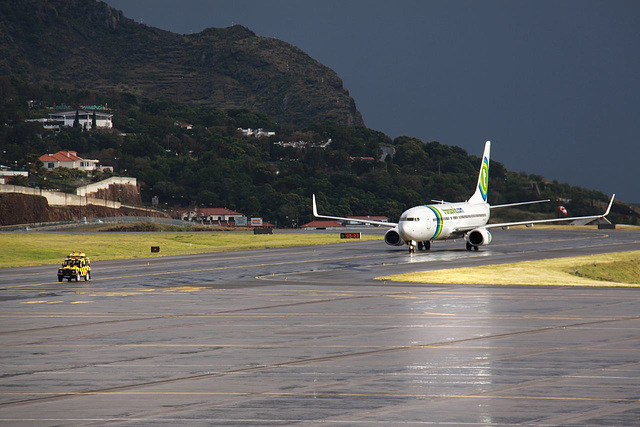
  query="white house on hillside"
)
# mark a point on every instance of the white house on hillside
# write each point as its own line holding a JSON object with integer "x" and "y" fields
{"x": 68, "y": 159}
{"x": 85, "y": 118}
{"x": 256, "y": 132}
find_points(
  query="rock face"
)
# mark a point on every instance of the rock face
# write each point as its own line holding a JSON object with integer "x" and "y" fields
{"x": 85, "y": 44}
{"x": 27, "y": 209}
{"x": 123, "y": 193}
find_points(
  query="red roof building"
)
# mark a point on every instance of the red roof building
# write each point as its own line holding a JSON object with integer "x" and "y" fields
{"x": 68, "y": 159}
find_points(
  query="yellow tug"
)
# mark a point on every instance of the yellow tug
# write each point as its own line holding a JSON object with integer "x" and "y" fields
{"x": 76, "y": 266}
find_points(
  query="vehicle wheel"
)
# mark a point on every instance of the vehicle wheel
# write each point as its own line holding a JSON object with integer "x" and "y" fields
{"x": 420, "y": 246}
{"x": 475, "y": 248}
{"x": 427, "y": 245}
{"x": 59, "y": 279}
{"x": 76, "y": 278}
{"x": 89, "y": 274}
{"x": 469, "y": 246}
{"x": 86, "y": 277}
{"x": 68, "y": 279}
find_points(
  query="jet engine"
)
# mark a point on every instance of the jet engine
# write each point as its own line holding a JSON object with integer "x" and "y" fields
{"x": 392, "y": 237}
{"x": 478, "y": 237}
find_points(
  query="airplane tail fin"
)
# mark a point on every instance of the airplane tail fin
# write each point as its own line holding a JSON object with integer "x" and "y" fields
{"x": 482, "y": 187}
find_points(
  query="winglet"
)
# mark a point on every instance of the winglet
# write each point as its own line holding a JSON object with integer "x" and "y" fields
{"x": 315, "y": 209}
{"x": 610, "y": 204}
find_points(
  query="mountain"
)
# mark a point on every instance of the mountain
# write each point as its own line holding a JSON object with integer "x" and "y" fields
{"x": 86, "y": 44}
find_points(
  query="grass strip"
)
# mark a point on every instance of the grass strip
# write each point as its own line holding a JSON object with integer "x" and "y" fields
{"x": 615, "y": 269}
{"x": 21, "y": 249}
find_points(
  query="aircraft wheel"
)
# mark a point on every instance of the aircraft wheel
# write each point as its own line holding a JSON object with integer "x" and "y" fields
{"x": 427, "y": 245}
{"x": 475, "y": 248}
{"x": 469, "y": 246}
{"x": 420, "y": 246}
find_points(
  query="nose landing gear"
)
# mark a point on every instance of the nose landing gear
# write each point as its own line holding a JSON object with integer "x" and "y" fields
{"x": 422, "y": 246}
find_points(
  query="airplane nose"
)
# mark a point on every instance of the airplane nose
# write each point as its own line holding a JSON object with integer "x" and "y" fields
{"x": 405, "y": 231}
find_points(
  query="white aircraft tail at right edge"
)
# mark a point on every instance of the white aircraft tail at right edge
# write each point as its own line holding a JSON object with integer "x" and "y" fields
{"x": 419, "y": 225}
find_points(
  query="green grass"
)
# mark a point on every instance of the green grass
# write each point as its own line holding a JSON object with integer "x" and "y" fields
{"x": 21, "y": 249}
{"x": 625, "y": 271}
{"x": 617, "y": 269}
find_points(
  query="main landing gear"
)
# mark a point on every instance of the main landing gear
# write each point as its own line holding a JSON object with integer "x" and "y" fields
{"x": 470, "y": 246}
{"x": 422, "y": 246}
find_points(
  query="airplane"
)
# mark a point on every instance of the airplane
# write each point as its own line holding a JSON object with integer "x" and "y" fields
{"x": 420, "y": 225}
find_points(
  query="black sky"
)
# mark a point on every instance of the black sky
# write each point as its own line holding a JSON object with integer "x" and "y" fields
{"x": 554, "y": 84}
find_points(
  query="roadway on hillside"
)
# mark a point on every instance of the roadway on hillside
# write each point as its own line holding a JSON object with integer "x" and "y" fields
{"x": 304, "y": 335}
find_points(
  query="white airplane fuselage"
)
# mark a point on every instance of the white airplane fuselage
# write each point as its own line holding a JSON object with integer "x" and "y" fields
{"x": 440, "y": 221}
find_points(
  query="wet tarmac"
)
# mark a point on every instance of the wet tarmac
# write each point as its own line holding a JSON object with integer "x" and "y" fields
{"x": 304, "y": 336}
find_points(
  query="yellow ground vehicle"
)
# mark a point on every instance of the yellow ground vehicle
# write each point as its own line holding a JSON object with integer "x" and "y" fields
{"x": 76, "y": 266}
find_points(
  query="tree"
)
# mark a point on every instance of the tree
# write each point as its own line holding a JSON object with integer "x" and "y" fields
{"x": 93, "y": 120}
{"x": 76, "y": 121}
{"x": 19, "y": 180}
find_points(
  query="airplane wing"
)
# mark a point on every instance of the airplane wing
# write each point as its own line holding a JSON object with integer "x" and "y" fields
{"x": 519, "y": 203}
{"x": 539, "y": 221}
{"x": 363, "y": 221}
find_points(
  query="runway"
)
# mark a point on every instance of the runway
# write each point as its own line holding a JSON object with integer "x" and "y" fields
{"x": 305, "y": 336}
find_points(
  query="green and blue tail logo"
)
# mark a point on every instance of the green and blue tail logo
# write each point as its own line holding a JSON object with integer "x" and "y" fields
{"x": 483, "y": 184}
{"x": 482, "y": 187}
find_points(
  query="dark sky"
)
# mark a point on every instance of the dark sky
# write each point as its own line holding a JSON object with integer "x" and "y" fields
{"x": 555, "y": 85}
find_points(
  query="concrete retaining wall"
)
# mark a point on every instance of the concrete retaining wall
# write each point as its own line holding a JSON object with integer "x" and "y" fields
{"x": 104, "y": 184}
{"x": 57, "y": 198}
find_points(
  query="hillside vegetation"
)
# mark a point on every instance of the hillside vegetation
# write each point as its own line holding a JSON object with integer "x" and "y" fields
{"x": 214, "y": 165}
{"x": 80, "y": 44}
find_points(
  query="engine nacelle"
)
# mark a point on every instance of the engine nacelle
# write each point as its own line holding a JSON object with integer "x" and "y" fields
{"x": 479, "y": 237}
{"x": 392, "y": 237}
